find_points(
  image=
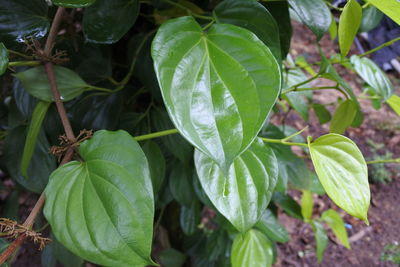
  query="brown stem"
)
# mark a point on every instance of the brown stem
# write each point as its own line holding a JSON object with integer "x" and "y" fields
{"x": 12, "y": 248}
{"x": 53, "y": 31}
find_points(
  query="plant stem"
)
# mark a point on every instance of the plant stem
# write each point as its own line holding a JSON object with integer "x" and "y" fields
{"x": 296, "y": 86}
{"x": 155, "y": 135}
{"x": 281, "y": 141}
{"x": 19, "y": 54}
{"x": 295, "y": 134}
{"x": 53, "y": 30}
{"x": 189, "y": 12}
{"x": 388, "y": 43}
{"x": 24, "y": 63}
{"x": 384, "y": 161}
{"x": 101, "y": 89}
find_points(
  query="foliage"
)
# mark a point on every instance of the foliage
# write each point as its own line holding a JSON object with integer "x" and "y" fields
{"x": 203, "y": 79}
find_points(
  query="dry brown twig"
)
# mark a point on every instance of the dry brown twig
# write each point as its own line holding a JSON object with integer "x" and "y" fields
{"x": 65, "y": 143}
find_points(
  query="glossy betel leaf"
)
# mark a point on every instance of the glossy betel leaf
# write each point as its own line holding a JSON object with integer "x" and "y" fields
{"x": 218, "y": 87}
{"x": 105, "y": 22}
{"x": 321, "y": 239}
{"x": 307, "y": 205}
{"x": 102, "y": 208}
{"x": 371, "y": 17}
{"x": 35, "y": 81}
{"x": 349, "y": 22}
{"x": 335, "y": 222}
{"x": 34, "y": 128}
{"x": 343, "y": 173}
{"x": 314, "y": 14}
{"x": 343, "y": 116}
{"x": 373, "y": 75}
{"x": 3, "y": 58}
{"x": 244, "y": 192}
{"x": 73, "y": 3}
{"x": 270, "y": 226}
{"x": 322, "y": 113}
{"x": 21, "y": 20}
{"x": 394, "y": 103}
{"x": 251, "y": 249}
{"x": 156, "y": 161}
{"x": 254, "y": 17}
{"x": 388, "y": 7}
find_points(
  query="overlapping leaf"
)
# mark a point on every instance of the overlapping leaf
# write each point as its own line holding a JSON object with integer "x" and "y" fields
{"x": 73, "y": 3}
{"x": 245, "y": 191}
{"x": 102, "y": 208}
{"x": 218, "y": 86}
{"x": 388, "y": 7}
{"x": 349, "y": 22}
{"x": 335, "y": 222}
{"x": 3, "y": 58}
{"x": 270, "y": 226}
{"x": 343, "y": 116}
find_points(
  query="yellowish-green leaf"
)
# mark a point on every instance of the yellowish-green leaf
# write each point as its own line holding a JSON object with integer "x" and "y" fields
{"x": 389, "y": 7}
{"x": 394, "y": 103}
{"x": 343, "y": 173}
{"x": 343, "y": 116}
{"x": 321, "y": 239}
{"x": 349, "y": 22}
{"x": 307, "y": 204}
{"x": 333, "y": 30}
{"x": 335, "y": 222}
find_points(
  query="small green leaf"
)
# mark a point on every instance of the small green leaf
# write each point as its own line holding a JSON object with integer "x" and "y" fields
{"x": 322, "y": 113}
{"x": 349, "y": 22}
{"x": 321, "y": 239}
{"x": 343, "y": 116}
{"x": 251, "y": 249}
{"x": 244, "y": 193}
{"x": 371, "y": 17}
{"x": 288, "y": 204}
{"x": 307, "y": 204}
{"x": 333, "y": 30}
{"x": 172, "y": 258}
{"x": 373, "y": 75}
{"x": 73, "y": 3}
{"x": 156, "y": 162}
{"x": 35, "y": 81}
{"x": 314, "y": 14}
{"x": 34, "y": 128}
{"x": 180, "y": 183}
{"x": 343, "y": 173}
{"x": 102, "y": 209}
{"x": 270, "y": 226}
{"x": 3, "y": 58}
{"x": 209, "y": 106}
{"x": 190, "y": 218}
{"x": 394, "y": 103}
{"x": 254, "y": 17}
{"x": 335, "y": 222}
{"x": 388, "y": 7}
{"x": 105, "y": 22}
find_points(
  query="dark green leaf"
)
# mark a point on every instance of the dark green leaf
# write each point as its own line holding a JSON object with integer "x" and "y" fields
{"x": 102, "y": 208}
{"x": 209, "y": 106}
{"x": 156, "y": 162}
{"x": 349, "y": 22}
{"x": 55, "y": 251}
{"x": 371, "y": 17}
{"x": 288, "y": 204}
{"x": 321, "y": 239}
{"x": 343, "y": 116}
{"x": 34, "y": 129}
{"x": 322, "y": 113}
{"x": 21, "y": 20}
{"x": 254, "y": 17}
{"x": 343, "y": 173}
{"x": 73, "y": 3}
{"x": 335, "y": 222}
{"x": 244, "y": 193}
{"x": 172, "y": 258}
{"x": 10, "y": 207}
{"x": 313, "y": 13}
{"x": 251, "y": 249}
{"x": 3, "y": 58}
{"x": 190, "y": 218}
{"x": 180, "y": 183}
{"x": 107, "y": 21}
{"x": 35, "y": 81}
{"x": 41, "y": 165}
{"x": 24, "y": 101}
{"x": 373, "y": 75}
{"x": 270, "y": 226}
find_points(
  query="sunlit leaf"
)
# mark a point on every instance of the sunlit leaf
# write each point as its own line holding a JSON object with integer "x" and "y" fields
{"x": 335, "y": 222}
{"x": 349, "y": 22}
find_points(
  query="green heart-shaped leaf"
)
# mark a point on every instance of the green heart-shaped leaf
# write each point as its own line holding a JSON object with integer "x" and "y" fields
{"x": 244, "y": 193}
{"x": 102, "y": 208}
{"x": 343, "y": 173}
{"x": 218, "y": 86}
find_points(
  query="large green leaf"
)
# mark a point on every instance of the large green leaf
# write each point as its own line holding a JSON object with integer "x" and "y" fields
{"x": 335, "y": 222}
{"x": 349, "y": 22}
{"x": 35, "y": 81}
{"x": 321, "y": 239}
{"x": 102, "y": 208}
{"x": 218, "y": 86}
{"x": 251, "y": 249}
{"x": 34, "y": 129}
{"x": 254, "y": 17}
{"x": 343, "y": 173}
{"x": 343, "y": 116}
{"x": 107, "y": 21}
{"x": 3, "y": 58}
{"x": 394, "y": 103}
{"x": 73, "y": 3}
{"x": 313, "y": 13}
{"x": 21, "y": 20}
{"x": 371, "y": 17}
{"x": 245, "y": 191}
{"x": 270, "y": 226}
{"x": 373, "y": 75}
{"x": 389, "y": 7}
